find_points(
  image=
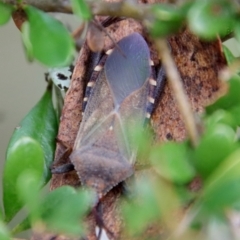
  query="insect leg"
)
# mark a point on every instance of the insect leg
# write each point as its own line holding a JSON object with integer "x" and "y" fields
{"x": 64, "y": 168}
{"x": 98, "y": 212}
{"x": 67, "y": 167}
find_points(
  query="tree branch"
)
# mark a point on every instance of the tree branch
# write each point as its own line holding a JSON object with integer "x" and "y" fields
{"x": 126, "y": 9}
{"x": 119, "y": 9}
{"x": 63, "y": 6}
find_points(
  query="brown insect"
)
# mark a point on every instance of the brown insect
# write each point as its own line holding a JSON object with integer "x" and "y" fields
{"x": 103, "y": 154}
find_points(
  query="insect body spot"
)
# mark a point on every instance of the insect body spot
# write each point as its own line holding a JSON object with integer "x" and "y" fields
{"x": 60, "y": 86}
{"x": 169, "y": 136}
{"x": 85, "y": 99}
{"x": 108, "y": 52}
{"x": 90, "y": 84}
{"x": 98, "y": 68}
{"x": 151, "y": 100}
{"x": 148, "y": 115}
{"x": 151, "y": 62}
{"x": 153, "y": 82}
{"x": 62, "y": 76}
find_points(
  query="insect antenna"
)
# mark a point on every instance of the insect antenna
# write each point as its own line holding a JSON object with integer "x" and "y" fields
{"x": 105, "y": 23}
{"x": 98, "y": 212}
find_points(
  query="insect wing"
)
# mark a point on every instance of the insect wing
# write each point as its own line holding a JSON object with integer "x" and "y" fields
{"x": 102, "y": 153}
{"x": 128, "y": 70}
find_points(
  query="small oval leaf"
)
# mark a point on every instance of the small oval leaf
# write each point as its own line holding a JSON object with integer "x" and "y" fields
{"x": 167, "y": 19}
{"x": 210, "y": 18}
{"x": 228, "y": 54}
{"x": 6, "y": 11}
{"x": 28, "y": 189}
{"x": 143, "y": 207}
{"x": 26, "y": 155}
{"x": 231, "y": 99}
{"x": 39, "y": 124}
{"x": 4, "y": 232}
{"x": 63, "y": 209}
{"x": 171, "y": 161}
{"x": 221, "y": 191}
{"x": 22, "y": 226}
{"x": 221, "y": 116}
{"x": 214, "y": 147}
{"x": 51, "y": 42}
{"x": 81, "y": 9}
{"x": 26, "y": 41}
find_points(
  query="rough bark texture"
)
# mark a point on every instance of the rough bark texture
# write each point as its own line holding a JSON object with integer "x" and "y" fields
{"x": 198, "y": 63}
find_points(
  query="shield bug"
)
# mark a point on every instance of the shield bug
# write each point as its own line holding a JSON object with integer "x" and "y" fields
{"x": 103, "y": 155}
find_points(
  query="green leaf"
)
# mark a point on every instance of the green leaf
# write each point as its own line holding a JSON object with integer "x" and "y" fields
{"x": 143, "y": 208}
{"x": 222, "y": 116}
{"x": 28, "y": 189}
{"x": 39, "y": 124}
{"x": 6, "y": 11}
{"x": 26, "y": 155}
{"x": 51, "y": 42}
{"x": 151, "y": 200}
{"x": 231, "y": 99}
{"x": 171, "y": 162}
{"x": 221, "y": 191}
{"x": 4, "y": 232}
{"x": 215, "y": 146}
{"x": 1, "y": 214}
{"x": 140, "y": 139}
{"x": 63, "y": 209}
{"x": 237, "y": 30}
{"x": 235, "y": 112}
{"x": 167, "y": 20}
{"x": 228, "y": 54}
{"x": 210, "y": 18}
{"x": 81, "y": 9}
{"x": 26, "y": 41}
{"x": 22, "y": 226}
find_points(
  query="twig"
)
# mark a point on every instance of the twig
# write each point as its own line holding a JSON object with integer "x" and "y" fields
{"x": 115, "y": 9}
{"x": 78, "y": 32}
{"x": 63, "y": 6}
{"x": 118, "y": 9}
{"x": 178, "y": 90}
